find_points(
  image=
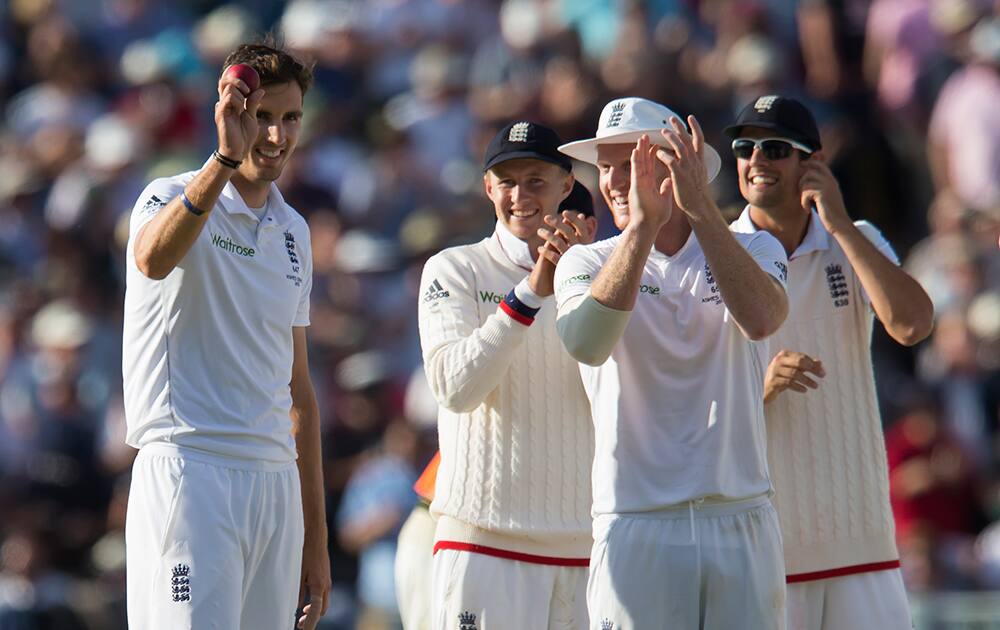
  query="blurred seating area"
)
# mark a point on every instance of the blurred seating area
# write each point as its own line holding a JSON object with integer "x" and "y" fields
{"x": 97, "y": 98}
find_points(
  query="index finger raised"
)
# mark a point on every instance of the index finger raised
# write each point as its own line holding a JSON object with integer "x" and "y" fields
{"x": 697, "y": 135}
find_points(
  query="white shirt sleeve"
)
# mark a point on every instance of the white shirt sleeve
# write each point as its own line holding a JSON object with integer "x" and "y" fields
{"x": 154, "y": 198}
{"x": 873, "y": 234}
{"x": 464, "y": 361}
{"x": 588, "y": 329}
{"x": 770, "y": 255}
{"x": 304, "y": 243}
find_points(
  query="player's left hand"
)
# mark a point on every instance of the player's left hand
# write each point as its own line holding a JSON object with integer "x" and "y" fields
{"x": 564, "y": 231}
{"x": 820, "y": 187}
{"x": 686, "y": 163}
{"x": 315, "y": 583}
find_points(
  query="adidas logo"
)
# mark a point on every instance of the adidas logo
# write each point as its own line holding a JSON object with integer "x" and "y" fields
{"x": 152, "y": 204}
{"x": 606, "y": 624}
{"x": 617, "y": 111}
{"x": 519, "y": 132}
{"x": 435, "y": 292}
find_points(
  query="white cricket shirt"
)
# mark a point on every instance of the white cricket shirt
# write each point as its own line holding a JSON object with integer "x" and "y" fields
{"x": 677, "y": 408}
{"x": 207, "y": 356}
{"x": 826, "y": 449}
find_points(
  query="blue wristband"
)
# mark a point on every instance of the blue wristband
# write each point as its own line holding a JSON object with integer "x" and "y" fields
{"x": 190, "y": 206}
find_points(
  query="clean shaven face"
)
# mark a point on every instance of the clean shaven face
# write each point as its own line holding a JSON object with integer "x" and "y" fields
{"x": 769, "y": 184}
{"x": 523, "y": 192}
{"x": 614, "y": 166}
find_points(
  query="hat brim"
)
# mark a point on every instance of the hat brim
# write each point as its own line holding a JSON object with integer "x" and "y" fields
{"x": 733, "y": 131}
{"x": 586, "y": 150}
{"x": 527, "y": 155}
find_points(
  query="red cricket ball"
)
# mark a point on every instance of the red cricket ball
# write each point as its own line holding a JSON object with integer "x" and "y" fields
{"x": 244, "y": 72}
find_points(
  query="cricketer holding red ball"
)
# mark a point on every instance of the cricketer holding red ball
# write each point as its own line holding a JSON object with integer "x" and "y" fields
{"x": 225, "y": 528}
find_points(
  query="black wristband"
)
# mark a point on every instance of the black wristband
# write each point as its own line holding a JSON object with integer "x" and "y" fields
{"x": 227, "y": 162}
{"x": 190, "y": 206}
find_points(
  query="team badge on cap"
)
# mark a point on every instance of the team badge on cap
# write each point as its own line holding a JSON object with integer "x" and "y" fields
{"x": 624, "y": 121}
{"x": 519, "y": 132}
{"x": 764, "y": 103}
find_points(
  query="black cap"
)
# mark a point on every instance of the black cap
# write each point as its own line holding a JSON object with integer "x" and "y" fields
{"x": 785, "y": 115}
{"x": 579, "y": 200}
{"x": 526, "y": 140}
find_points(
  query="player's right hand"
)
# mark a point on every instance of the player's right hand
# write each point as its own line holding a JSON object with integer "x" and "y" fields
{"x": 650, "y": 200}
{"x": 789, "y": 370}
{"x": 236, "y": 117}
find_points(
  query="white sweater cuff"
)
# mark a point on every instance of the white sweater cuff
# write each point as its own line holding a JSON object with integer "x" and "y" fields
{"x": 523, "y": 292}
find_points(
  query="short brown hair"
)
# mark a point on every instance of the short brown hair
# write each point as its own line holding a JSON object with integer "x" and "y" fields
{"x": 272, "y": 63}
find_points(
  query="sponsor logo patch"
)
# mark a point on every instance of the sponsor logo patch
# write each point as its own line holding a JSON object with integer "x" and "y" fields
{"x": 152, "y": 206}
{"x": 580, "y": 278}
{"x": 782, "y": 270}
{"x": 435, "y": 292}
{"x": 229, "y": 245}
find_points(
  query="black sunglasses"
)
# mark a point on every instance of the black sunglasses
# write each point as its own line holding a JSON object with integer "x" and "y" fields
{"x": 771, "y": 148}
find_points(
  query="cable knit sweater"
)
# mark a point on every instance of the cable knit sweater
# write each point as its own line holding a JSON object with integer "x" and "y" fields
{"x": 825, "y": 448}
{"x": 515, "y": 431}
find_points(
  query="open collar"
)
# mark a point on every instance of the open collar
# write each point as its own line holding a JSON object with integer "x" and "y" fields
{"x": 816, "y": 238}
{"x": 276, "y": 213}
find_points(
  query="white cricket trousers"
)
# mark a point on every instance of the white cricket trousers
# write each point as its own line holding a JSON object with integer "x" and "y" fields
{"x": 864, "y": 601}
{"x": 212, "y": 543}
{"x": 704, "y": 566}
{"x": 414, "y": 555}
{"x": 475, "y": 591}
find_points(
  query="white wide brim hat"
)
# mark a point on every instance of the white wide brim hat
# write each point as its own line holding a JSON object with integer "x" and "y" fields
{"x": 624, "y": 121}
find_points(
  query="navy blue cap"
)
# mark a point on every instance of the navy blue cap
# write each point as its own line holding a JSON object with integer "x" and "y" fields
{"x": 579, "y": 200}
{"x": 526, "y": 140}
{"x": 787, "y": 116}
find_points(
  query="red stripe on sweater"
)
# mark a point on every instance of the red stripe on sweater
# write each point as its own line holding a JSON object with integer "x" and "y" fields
{"x": 511, "y": 555}
{"x": 842, "y": 571}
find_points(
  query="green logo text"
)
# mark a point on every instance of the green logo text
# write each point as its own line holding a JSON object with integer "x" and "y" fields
{"x": 230, "y": 246}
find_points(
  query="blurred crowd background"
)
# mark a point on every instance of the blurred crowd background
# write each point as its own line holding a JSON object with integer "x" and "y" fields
{"x": 99, "y": 97}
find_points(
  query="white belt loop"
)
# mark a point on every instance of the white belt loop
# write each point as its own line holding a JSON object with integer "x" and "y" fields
{"x": 695, "y": 503}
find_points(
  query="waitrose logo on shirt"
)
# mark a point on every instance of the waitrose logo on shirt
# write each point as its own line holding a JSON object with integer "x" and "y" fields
{"x": 229, "y": 245}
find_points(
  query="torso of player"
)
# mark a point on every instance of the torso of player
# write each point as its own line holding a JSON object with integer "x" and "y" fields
{"x": 209, "y": 349}
{"x": 519, "y": 463}
{"x": 825, "y": 447}
{"x": 677, "y": 406}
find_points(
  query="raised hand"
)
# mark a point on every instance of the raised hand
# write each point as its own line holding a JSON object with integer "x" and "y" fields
{"x": 789, "y": 370}
{"x": 820, "y": 187}
{"x": 565, "y": 230}
{"x": 650, "y": 200}
{"x": 686, "y": 163}
{"x": 236, "y": 117}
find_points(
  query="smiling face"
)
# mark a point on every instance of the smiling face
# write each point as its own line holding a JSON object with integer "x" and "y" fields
{"x": 279, "y": 122}
{"x": 523, "y": 192}
{"x": 769, "y": 184}
{"x": 614, "y": 166}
